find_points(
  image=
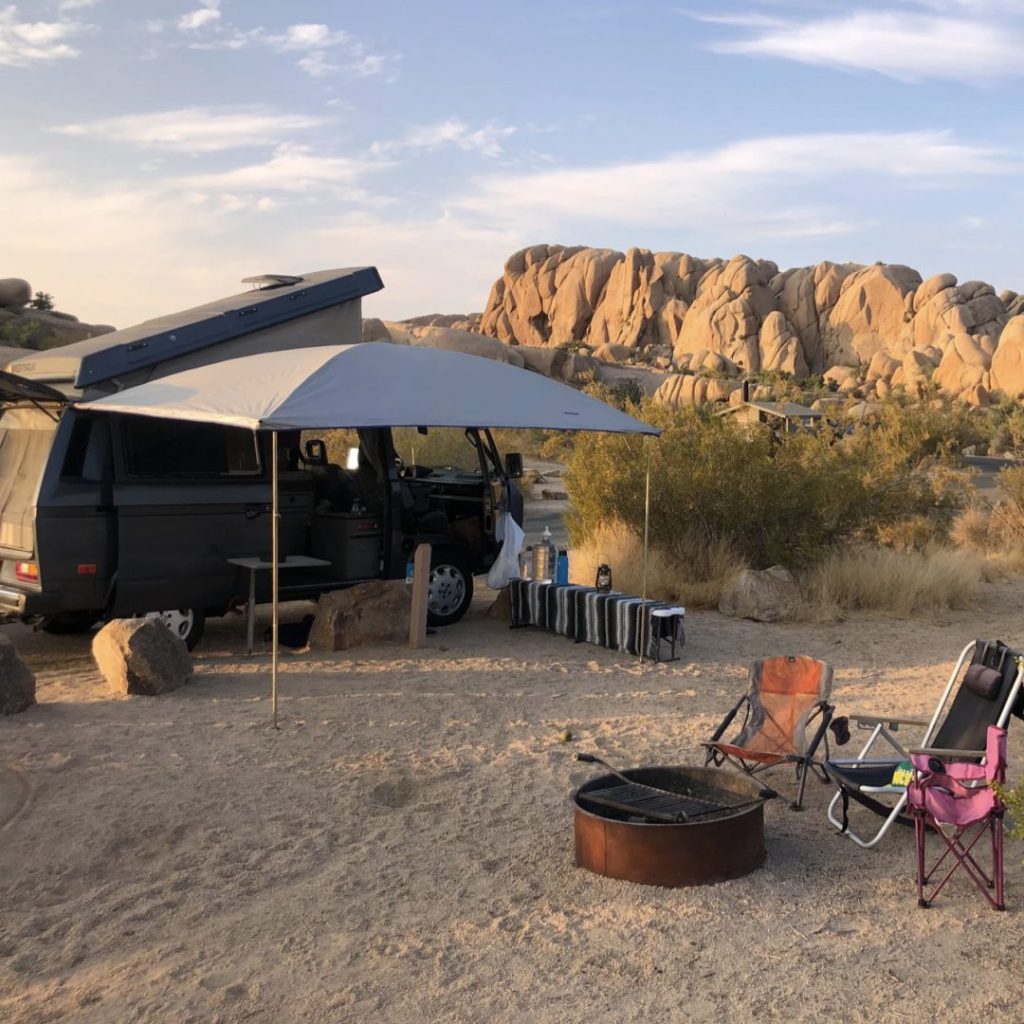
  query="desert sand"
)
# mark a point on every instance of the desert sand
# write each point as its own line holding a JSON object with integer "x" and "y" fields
{"x": 401, "y": 849}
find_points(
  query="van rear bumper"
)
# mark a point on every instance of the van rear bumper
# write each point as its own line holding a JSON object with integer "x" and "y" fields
{"x": 23, "y": 603}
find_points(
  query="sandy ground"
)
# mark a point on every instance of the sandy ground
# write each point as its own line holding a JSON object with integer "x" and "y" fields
{"x": 401, "y": 849}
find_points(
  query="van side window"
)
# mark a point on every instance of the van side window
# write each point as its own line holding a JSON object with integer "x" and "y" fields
{"x": 167, "y": 448}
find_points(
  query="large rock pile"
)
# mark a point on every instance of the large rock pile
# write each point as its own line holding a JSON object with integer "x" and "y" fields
{"x": 24, "y": 326}
{"x": 882, "y": 321}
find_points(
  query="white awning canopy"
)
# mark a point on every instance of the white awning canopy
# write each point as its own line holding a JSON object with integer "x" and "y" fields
{"x": 367, "y": 385}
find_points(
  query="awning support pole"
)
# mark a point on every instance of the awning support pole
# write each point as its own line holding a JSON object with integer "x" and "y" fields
{"x": 273, "y": 572}
{"x": 647, "y": 530}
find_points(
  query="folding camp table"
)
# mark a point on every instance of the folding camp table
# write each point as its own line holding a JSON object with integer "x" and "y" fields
{"x": 254, "y": 565}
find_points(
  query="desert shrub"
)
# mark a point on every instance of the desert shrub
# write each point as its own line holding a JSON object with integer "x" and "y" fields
{"x": 788, "y": 502}
{"x": 916, "y": 430}
{"x": 692, "y": 571}
{"x": 1004, "y": 426}
{"x": 22, "y": 334}
{"x": 971, "y": 527}
{"x": 898, "y": 582}
{"x": 1008, "y": 515}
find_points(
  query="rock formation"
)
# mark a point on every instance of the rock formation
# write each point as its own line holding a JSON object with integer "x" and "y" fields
{"x": 24, "y": 326}
{"x": 883, "y": 322}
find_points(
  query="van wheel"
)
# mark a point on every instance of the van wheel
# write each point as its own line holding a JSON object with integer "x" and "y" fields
{"x": 69, "y": 623}
{"x": 185, "y": 623}
{"x": 450, "y": 590}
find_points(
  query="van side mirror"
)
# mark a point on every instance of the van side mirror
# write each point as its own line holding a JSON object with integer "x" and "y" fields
{"x": 316, "y": 452}
{"x": 513, "y": 466}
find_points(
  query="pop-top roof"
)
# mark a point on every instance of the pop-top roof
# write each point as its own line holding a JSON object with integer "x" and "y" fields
{"x": 155, "y": 341}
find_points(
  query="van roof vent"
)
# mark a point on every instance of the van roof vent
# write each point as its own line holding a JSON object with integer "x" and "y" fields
{"x": 261, "y": 282}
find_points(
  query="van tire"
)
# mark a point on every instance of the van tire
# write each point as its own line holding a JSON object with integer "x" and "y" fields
{"x": 69, "y": 623}
{"x": 450, "y": 591}
{"x": 185, "y": 623}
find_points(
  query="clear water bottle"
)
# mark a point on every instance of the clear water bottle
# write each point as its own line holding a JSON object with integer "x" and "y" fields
{"x": 544, "y": 557}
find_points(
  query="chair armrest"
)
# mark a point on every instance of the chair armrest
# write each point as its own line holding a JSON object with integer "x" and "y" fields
{"x": 893, "y": 721}
{"x": 727, "y": 721}
{"x": 947, "y": 752}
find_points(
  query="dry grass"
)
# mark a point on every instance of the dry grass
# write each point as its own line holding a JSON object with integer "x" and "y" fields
{"x": 692, "y": 574}
{"x": 994, "y": 534}
{"x": 902, "y": 583}
{"x": 971, "y": 528}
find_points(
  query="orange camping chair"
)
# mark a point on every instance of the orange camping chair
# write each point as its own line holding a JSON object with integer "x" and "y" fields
{"x": 786, "y": 715}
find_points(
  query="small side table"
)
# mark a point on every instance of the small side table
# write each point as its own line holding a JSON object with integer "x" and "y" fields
{"x": 255, "y": 565}
{"x": 667, "y": 624}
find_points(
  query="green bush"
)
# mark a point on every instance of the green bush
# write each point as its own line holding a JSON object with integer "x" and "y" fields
{"x": 21, "y": 334}
{"x": 788, "y": 502}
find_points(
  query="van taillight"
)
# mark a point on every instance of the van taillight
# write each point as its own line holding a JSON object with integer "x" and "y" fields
{"x": 27, "y": 572}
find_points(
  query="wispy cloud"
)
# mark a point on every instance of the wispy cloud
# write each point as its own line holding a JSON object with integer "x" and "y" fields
{"x": 908, "y": 45}
{"x": 206, "y": 14}
{"x": 485, "y": 140}
{"x": 319, "y": 50}
{"x": 326, "y": 51}
{"x": 28, "y": 42}
{"x": 196, "y": 129}
{"x": 76, "y": 5}
{"x": 731, "y": 184}
{"x": 290, "y": 169}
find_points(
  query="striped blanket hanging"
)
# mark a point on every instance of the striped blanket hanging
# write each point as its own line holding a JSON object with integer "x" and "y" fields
{"x": 589, "y": 615}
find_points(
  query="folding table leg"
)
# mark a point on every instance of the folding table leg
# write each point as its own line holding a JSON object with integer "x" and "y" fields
{"x": 250, "y": 612}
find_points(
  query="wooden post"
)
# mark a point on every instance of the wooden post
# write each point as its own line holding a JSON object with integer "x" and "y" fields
{"x": 420, "y": 595}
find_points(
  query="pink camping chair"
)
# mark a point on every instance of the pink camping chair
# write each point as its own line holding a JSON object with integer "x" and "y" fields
{"x": 956, "y": 801}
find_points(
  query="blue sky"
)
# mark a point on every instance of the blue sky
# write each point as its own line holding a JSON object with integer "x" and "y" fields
{"x": 156, "y": 152}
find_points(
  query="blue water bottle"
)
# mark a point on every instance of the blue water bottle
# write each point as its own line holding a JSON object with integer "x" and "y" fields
{"x": 562, "y": 568}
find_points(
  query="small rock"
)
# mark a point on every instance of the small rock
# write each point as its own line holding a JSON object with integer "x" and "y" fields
{"x": 769, "y": 596}
{"x": 17, "y": 683}
{"x": 367, "y": 613}
{"x": 501, "y": 607}
{"x": 141, "y": 656}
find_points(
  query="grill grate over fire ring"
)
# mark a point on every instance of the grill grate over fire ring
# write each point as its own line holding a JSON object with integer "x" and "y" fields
{"x": 707, "y": 828}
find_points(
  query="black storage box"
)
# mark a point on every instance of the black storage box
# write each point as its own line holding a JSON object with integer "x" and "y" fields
{"x": 350, "y": 541}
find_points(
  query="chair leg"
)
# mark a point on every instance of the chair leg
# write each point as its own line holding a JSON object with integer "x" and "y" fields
{"x": 798, "y": 804}
{"x": 963, "y": 858}
{"x": 997, "y": 861}
{"x": 919, "y": 836}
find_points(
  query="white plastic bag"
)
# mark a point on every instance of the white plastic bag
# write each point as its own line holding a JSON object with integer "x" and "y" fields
{"x": 506, "y": 566}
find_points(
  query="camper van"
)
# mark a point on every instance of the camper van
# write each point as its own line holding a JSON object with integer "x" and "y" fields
{"x": 115, "y": 516}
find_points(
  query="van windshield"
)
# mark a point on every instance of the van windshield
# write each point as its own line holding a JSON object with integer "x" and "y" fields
{"x": 26, "y": 435}
{"x": 441, "y": 447}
